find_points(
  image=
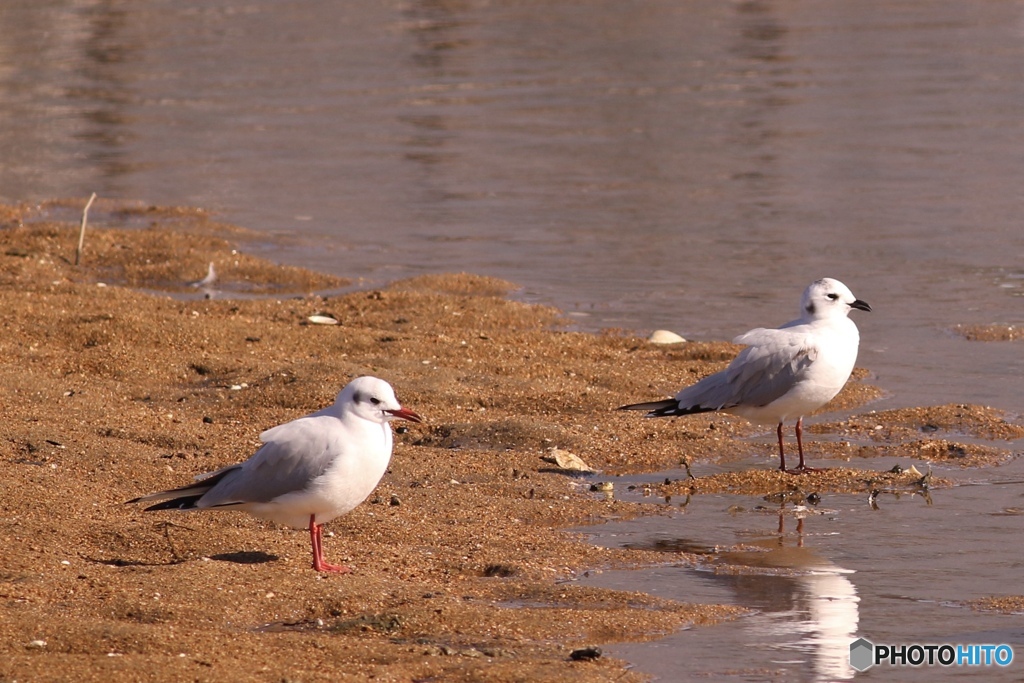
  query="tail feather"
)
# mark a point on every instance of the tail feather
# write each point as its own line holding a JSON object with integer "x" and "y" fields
{"x": 668, "y": 407}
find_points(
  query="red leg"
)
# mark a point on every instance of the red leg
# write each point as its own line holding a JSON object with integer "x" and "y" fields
{"x": 782, "y": 451}
{"x": 316, "y": 539}
{"x": 801, "y": 468}
{"x": 800, "y": 441}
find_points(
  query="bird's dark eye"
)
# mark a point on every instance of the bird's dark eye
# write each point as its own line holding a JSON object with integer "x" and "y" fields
{"x": 833, "y": 296}
{"x": 375, "y": 401}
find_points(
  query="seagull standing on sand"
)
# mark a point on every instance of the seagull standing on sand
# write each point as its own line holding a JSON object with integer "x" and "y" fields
{"x": 783, "y": 373}
{"x": 309, "y": 470}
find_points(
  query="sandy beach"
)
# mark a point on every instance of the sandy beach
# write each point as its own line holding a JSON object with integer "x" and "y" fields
{"x": 118, "y": 378}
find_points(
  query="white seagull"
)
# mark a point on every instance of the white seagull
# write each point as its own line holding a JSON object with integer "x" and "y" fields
{"x": 309, "y": 470}
{"x": 783, "y": 373}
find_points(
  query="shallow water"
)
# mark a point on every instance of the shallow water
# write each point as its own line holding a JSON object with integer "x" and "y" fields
{"x": 817, "y": 577}
{"x": 689, "y": 166}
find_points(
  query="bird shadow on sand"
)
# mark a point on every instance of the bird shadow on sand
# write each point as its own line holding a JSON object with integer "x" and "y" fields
{"x": 122, "y": 562}
{"x": 240, "y": 557}
{"x": 245, "y": 557}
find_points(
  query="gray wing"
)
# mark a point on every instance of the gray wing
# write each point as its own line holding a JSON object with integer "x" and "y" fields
{"x": 772, "y": 363}
{"x": 293, "y": 455}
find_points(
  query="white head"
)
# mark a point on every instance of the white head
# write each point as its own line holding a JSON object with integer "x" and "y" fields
{"x": 373, "y": 399}
{"x": 828, "y": 298}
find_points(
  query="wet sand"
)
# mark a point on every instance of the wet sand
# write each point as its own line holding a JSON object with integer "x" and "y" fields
{"x": 119, "y": 379}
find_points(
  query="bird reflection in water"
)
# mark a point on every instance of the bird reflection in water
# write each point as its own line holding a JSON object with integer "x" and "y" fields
{"x": 805, "y": 606}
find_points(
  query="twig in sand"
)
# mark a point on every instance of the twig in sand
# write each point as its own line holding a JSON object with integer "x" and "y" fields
{"x": 81, "y": 235}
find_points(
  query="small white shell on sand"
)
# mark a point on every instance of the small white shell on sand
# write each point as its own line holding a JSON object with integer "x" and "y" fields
{"x": 566, "y": 460}
{"x": 322, "y": 320}
{"x": 665, "y": 337}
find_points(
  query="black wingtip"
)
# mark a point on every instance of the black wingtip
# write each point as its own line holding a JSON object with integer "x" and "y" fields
{"x": 670, "y": 407}
{"x": 654, "y": 408}
{"x": 183, "y": 503}
{"x": 191, "y": 493}
{"x": 674, "y": 410}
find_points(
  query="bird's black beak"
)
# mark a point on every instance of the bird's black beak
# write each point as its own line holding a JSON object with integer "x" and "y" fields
{"x": 862, "y": 305}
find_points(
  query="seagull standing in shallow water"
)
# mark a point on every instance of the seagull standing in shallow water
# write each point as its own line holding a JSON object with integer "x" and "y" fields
{"x": 783, "y": 373}
{"x": 309, "y": 470}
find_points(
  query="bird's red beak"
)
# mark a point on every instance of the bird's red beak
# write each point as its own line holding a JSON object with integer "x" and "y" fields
{"x": 405, "y": 414}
